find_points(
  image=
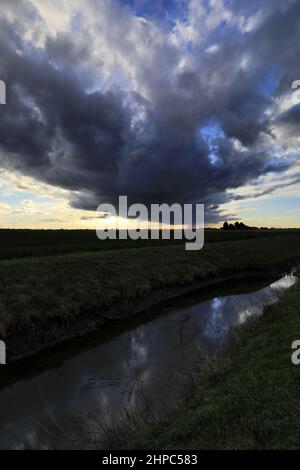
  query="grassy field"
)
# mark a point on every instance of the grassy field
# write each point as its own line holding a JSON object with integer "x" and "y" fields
{"x": 56, "y": 286}
{"x": 45, "y": 299}
{"x": 249, "y": 400}
{"x": 36, "y": 243}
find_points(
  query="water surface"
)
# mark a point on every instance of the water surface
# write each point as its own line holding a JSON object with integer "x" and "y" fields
{"x": 147, "y": 365}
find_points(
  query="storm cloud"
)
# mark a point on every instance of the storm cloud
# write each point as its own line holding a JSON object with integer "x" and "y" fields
{"x": 115, "y": 103}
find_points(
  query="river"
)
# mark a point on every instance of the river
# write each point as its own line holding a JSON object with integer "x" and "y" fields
{"x": 85, "y": 384}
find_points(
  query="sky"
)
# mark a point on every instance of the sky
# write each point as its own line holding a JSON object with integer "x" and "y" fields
{"x": 163, "y": 101}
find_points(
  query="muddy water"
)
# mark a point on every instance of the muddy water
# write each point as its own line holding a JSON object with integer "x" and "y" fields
{"x": 84, "y": 384}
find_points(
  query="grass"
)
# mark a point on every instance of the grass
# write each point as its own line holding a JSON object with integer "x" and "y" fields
{"x": 250, "y": 401}
{"x": 41, "y": 299}
{"x": 36, "y": 243}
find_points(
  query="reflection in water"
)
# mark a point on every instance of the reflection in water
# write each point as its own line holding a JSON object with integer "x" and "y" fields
{"x": 147, "y": 364}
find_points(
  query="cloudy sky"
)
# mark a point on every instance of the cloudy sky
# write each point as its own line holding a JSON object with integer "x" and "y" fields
{"x": 159, "y": 100}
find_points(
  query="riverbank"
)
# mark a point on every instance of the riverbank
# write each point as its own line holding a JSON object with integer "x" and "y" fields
{"x": 46, "y": 300}
{"x": 248, "y": 399}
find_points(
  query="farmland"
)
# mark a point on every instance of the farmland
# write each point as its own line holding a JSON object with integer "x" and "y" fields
{"x": 63, "y": 284}
{"x": 39, "y": 243}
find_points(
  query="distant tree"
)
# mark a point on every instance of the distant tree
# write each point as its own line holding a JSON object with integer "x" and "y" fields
{"x": 238, "y": 226}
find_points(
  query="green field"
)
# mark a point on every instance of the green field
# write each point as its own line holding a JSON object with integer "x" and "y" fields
{"x": 248, "y": 399}
{"x": 46, "y": 299}
{"x": 32, "y": 243}
{"x": 61, "y": 284}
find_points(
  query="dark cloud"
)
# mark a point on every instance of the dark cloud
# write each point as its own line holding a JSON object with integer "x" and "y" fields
{"x": 103, "y": 144}
{"x": 290, "y": 120}
{"x": 63, "y": 50}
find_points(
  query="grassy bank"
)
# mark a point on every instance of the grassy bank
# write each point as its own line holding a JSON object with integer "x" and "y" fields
{"x": 251, "y": 400}
{"x": 45, "y": 300}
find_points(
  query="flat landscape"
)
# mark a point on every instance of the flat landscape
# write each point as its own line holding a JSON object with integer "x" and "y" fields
{"x": 63, "y": 284}
{"x": 16, "y": 243}
{"x": 176, "y": 117}
{"x": 58, "y": 285}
